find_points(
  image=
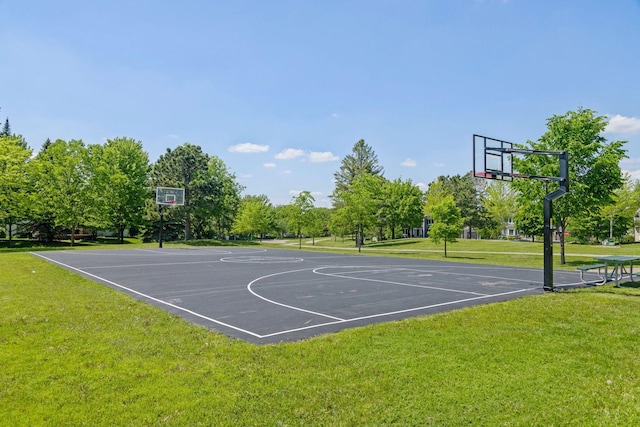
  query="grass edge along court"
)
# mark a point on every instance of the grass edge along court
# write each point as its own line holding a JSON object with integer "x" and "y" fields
{"x": 74, "y": 352}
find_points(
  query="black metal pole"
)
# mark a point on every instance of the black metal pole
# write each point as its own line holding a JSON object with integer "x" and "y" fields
{"x": 161, "y": 226}
{"x": 548, "y": 245}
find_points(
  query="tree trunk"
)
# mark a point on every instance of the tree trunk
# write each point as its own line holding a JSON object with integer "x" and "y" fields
{"x": 187, "y": 227}
{"x": 10, "y": 232}
{"x": 445, "y": 248}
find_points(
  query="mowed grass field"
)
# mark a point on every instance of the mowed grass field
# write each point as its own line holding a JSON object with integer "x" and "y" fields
{"x": 74, "y": 352}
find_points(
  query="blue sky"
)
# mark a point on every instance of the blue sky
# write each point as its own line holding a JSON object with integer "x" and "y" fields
{"x": 281, "y": 90}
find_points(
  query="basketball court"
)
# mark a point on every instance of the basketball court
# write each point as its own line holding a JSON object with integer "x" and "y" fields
{"x": 272, "y": 295}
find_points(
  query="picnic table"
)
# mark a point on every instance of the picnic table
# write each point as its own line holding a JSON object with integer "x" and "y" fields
{"x": 622, "y": 267}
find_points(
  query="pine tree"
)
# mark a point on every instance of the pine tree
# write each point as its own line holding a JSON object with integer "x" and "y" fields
{"x": 6, "y": 129}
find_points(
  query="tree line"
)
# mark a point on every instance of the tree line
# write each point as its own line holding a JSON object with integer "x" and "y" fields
{"x": 69, "y": 187}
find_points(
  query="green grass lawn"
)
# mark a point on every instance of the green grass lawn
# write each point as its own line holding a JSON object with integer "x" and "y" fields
{"x": 74, "y": 352}
{"x": 498, "y": 252}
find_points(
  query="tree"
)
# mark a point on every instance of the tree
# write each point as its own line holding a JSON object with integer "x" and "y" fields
{"x": 500, "y": 202}
{"x": 225, "y": 192}
{"x": 362, "y": 160}
{"x": 594, "y": 171}
{"x": 61, "y": 183}
{"x": 6, "y": 128}
{"x": 317, "y": 224}
{"x": 339, "y": 224}
{"x": 255, "y": 216}
{"x": 360, "y": 202}
{"x": 621, "y": 212}
{"x": 402, "y": 204}
{"x": 529, "y": 219}
{"x": 14, "y": 158}
{"x": 447, "y": 222}
{"x": 465, "y": 193}
{"x": 611, "y": 222}
{"x": 185, "y": 167}
{"x": 119, "y": 181}
{"x": 299, "y": 213}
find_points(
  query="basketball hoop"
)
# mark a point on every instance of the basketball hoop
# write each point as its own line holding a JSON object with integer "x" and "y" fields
{"x": 167, "y": 196}
{"x": 493, "y": 159}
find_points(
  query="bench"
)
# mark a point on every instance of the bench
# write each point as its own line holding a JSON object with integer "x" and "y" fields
{"x": 599, "y": 267}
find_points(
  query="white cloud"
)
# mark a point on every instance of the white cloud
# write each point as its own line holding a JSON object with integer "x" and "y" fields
{"x": 245, "y": 176}
{"x": 422, "y": 186}
{"x": 438, "y": 165}
{"x": 289, "y": 153}
{"x": 633, "y": 162}
{"x": 288, "y": 171}
{"x": 410, "y": 163}
{"x": 248, "y": 147}
{"x": 269, "y": 165}
{"x": 623, "y": 125}
{"x": 321, "y": 157}
{"x": 635, "y": 175}
{"x": 335, "y": 116}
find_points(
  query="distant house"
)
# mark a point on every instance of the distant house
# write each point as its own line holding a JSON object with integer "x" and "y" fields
{"x": 509, "y": 230}
{"x": 418, "y": 231}
{"x": 636, "y": 226}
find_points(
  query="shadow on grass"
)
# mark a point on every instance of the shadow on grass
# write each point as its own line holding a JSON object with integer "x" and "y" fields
{"x": 459, "y": 257}
{"x": 24, "y": 245}
{"x": 392, "y": 243}
{"x": 213, "y": 242}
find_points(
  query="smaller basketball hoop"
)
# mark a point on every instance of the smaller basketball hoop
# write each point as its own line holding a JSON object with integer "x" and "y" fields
{"x": 169, "y": 196}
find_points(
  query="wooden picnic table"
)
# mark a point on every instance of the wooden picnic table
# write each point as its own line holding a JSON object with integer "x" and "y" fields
{"x": 622, "y": 267}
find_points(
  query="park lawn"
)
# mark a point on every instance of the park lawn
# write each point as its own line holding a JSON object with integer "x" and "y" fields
{"x": 497, "y": 252}
{"x": 74, "y": 352}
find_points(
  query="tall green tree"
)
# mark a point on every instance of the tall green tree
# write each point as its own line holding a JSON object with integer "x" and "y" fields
{"x": 529, "y": 218}
{"x": 499, "y": 201}
{"x": 119, "y": 182}
{"x": 255, "y": 216}
{"x": 362, "y": 160}
{"x": 465, "y": 193}
{"x": 614, "y": 221}
{"x": 218, "y": 200}
{"x": 403, "y": 204}
{"x": 6, "y": 128}
{"x": 14, "y": 158}
{"x": 594, "y": 170}
{"x": 339, "y": 224}
{"x": 318, "y": 223}
{"x": 184, "y": 167}
{"x": 447, "y": 222}
{"x": 300, "y": 213}
{"x": 360, "y": 203}
{"x": 61, "y": 183}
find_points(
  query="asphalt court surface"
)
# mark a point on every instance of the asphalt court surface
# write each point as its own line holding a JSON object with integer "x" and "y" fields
{"x": 272, "y": 295}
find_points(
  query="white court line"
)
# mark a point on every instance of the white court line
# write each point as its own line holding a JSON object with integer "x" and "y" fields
{"x": 391, "y": 313}
{"x": 291, "y": 307}
{"x": 196, "y": 251}
{"x": 389, "y": 281}
{"x": 336, "y": 321}
{"x": 435, "y": 270}
{"x": 155, "y": 264}
{"x": 150, "y": 297}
